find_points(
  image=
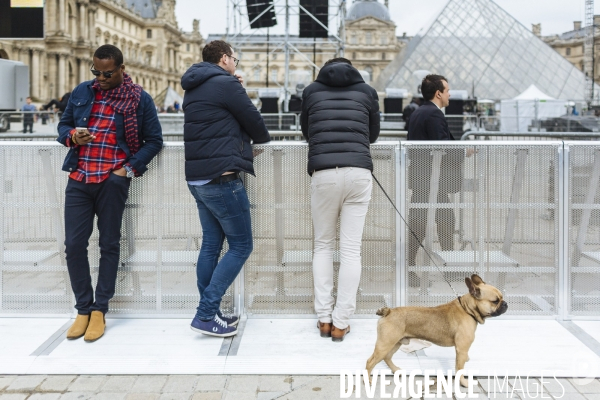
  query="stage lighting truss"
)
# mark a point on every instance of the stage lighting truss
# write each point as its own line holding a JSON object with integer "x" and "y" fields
{"x": 240, "y": 34}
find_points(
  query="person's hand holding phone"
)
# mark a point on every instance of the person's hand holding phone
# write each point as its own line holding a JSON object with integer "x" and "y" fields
{"x": 82, "y": 136}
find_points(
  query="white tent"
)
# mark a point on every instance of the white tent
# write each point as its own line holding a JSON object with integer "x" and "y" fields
{"x": 171, "y": 97}
{"x": 523, "y": 112}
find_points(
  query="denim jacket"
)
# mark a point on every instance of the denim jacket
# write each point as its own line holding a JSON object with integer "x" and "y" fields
{"x": 77, "y": 114}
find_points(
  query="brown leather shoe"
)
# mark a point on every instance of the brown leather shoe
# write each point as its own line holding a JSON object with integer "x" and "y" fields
{"x": 324, "y": 328}
{"x": 337, "y": 334}
{"x": 96, "y": 327}
{"x": 78, "y": 328}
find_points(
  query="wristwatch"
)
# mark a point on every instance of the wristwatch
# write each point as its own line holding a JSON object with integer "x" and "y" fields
{"x": 130, "y": 173}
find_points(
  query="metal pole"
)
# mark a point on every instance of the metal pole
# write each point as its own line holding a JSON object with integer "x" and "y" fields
{"x": 342, "y": 43}
{"x": 227, "y": 27}
{"x": 267, "y": 57}
{"x": 286, "y": 101}
{"x": 314, "y": 56}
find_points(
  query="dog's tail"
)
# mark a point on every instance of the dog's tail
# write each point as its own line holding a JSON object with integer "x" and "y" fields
{"x": 383, "y": 311}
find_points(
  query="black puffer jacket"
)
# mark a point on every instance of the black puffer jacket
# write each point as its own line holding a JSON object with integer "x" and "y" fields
{"x": 340, "y": 117}
{"x": 220, "y": 122}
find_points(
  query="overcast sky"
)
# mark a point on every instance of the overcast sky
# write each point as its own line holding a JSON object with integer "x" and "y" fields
{"x": 556, "y": 16}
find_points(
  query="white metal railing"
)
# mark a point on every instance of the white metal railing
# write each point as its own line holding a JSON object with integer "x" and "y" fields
{"x": 524, "y": 215}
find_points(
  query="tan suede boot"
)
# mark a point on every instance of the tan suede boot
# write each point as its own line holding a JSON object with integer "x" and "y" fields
{"x": 96, "y": 327}
{"x": 78, "y": 328}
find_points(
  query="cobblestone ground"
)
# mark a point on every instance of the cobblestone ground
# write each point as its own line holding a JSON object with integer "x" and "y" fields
{"x": 241, "y": 387}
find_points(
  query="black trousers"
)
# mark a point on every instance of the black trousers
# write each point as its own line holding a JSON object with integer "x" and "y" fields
{"x": 28, "y": 123}
{"x": 82, "y": 202}
{"x": 417, "y": 221}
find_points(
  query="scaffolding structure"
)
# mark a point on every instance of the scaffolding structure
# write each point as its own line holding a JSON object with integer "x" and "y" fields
{"x": 588, "y": 59}
{"x": 239, "y": 33}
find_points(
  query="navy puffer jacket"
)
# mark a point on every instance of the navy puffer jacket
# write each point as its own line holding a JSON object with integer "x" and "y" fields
{"x": 340, "y": 118}
{"x": 220, "y": 123}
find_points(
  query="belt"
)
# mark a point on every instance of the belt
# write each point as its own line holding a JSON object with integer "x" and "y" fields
{"x": 224, "y": 179}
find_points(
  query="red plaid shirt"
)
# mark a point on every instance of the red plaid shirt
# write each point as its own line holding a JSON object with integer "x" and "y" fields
{"x": 103, "y": 155}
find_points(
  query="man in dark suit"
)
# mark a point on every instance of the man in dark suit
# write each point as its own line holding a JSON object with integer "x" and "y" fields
{"x": 428, "y": 122}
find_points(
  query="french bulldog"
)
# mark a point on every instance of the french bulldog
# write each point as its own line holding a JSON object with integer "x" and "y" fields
{"x": 447, "y": 325}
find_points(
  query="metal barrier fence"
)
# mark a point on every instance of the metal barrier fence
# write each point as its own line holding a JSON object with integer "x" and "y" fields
{"x": 512, "y": 136}
{"x": 487, "y": 209}
{"x": 582, "y": 206}
{"x": 172, "y": 124}
{"x": 524, "y": 215}
{"x": 178, "y": 137}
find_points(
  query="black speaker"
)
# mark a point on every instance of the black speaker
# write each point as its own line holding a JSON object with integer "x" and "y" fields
{"x": 269, "y": 105}
{"x": 455, "y": 107}
{"x": 309, "y": 28}
{"x": 392, "y": 105}
{"x": 257, "y": 7}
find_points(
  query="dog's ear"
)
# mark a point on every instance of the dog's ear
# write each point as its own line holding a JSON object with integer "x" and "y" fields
{"x": 476, "y": 279}
{"x": 473, "y": 290}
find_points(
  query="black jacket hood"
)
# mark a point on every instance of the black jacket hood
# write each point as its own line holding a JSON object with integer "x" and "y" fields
{"x": 197, "y": 74}
{"x": 339, "y": 75}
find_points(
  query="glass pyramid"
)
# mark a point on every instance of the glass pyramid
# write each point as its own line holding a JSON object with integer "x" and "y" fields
{"x": 481, "y": 48}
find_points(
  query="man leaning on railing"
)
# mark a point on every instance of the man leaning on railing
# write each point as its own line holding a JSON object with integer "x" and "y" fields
{"x": 112, "y": 130}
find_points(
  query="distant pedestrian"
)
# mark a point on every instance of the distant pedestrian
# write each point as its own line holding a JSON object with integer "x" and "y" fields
{"x": 61, "y": 104}
{"x": 408, "y": 111}
{"x": 28, "y": 115}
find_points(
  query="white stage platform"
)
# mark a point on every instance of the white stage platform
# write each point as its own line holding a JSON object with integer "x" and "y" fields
{"x": 286, "y": 346}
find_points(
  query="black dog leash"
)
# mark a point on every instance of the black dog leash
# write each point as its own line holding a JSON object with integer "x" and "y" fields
{"x": 416, "y": 237}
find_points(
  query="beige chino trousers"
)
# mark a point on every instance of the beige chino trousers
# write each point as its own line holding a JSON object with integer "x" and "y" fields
{"x": 344, "y": 194}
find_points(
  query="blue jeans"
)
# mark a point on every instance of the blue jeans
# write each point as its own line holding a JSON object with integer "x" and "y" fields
{"x": 82, "y": 201}
{"x": 224, "y": 213}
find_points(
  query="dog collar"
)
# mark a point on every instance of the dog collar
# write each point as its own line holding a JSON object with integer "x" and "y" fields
{"x": 461, "y": 306}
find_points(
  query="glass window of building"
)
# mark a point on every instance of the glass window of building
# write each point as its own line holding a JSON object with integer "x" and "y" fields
{"x": 568, "y": 51}
{"x": 368, "y": 38}
{"x": 353, "y": 39}
{"x": 148, "y": 33}
{"x": 257, "y": 75}
{"x": 274, "y": 73}
{"x": 187, "y": 47}
{"x": 256, "y": 56}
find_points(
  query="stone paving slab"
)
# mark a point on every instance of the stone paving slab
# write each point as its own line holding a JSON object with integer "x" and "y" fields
{"x": 242, "y": 387}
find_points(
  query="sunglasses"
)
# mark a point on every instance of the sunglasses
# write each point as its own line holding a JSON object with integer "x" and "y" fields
{"x": 107, "y": 75}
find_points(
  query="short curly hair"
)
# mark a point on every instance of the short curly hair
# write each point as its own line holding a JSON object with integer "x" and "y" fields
{"x": 214, "y": 50}
{"x": 109, "y": 52}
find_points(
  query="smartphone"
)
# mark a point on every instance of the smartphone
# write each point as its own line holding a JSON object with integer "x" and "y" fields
{"x": 83, "y": 131}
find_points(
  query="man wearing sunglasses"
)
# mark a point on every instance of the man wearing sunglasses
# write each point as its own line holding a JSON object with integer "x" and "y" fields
{"x": 220, "y": 124}
{"x": 111, "y": 127}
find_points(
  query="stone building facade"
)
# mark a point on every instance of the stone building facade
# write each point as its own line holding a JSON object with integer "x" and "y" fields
{"x": 371, "y": 41}
{"x": 156, "y": 53}
{"x": 570, "y": 44}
